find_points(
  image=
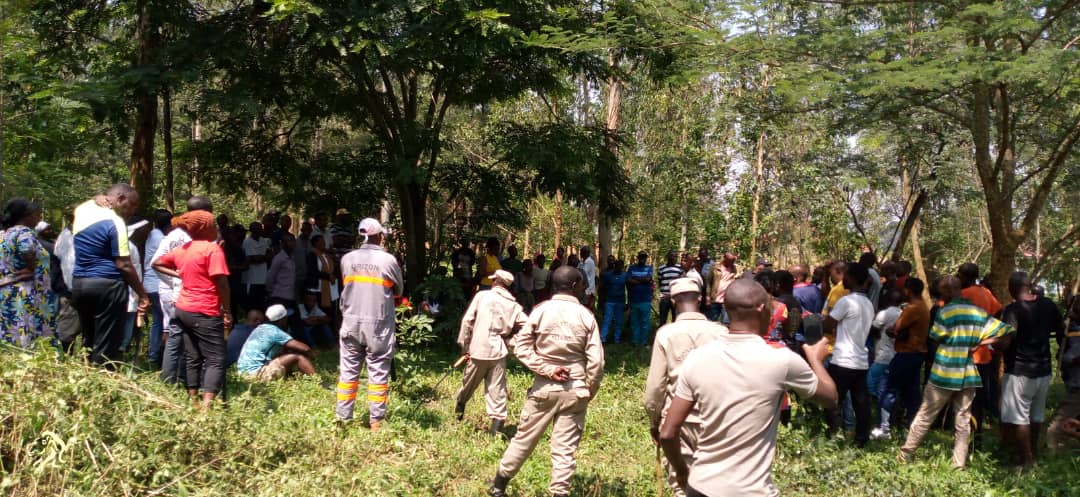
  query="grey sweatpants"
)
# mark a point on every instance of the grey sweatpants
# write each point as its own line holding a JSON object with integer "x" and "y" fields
{"x": 358, "y": 348}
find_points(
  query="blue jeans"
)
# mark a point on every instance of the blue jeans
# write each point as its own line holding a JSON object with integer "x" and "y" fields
{"x": 318, "y": 336}
{"x": 155, "y": 328}
{"x": 640, "y": 316}
{"x": 717, "y": 312}
{"x": 174, "y": 360}
{"x": 129, "y": 330}
{"x": 875, "y": 380}
{"x": 904, "y": 382}
{"x": 613, "y": 311}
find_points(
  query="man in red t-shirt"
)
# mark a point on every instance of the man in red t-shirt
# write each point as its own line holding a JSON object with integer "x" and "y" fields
{"x": 203, "y": 305}
{"x": 986, "y": 398}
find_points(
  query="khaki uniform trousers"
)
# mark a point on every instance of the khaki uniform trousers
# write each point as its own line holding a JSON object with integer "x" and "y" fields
{"x": 934, "y": 400}
{"x": 688, "y": 438}
{"x": 565, "y": 410}
{"x": 1056, "y": 439}
{"x": 493, "y": 374}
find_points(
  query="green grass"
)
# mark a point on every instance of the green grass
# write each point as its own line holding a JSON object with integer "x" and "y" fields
{"x": 70, "y": 430}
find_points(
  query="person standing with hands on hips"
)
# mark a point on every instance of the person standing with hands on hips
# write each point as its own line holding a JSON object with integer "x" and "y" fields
{"x": 372, "y": 279}
{"x": 203, "y": 306}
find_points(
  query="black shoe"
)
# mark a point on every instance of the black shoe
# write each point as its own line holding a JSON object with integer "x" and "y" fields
{"x": 560, "y": 495}
{"x": 496, "y": 427}
{"x": 498, "y": 486}
{"x": 459, "y": 411}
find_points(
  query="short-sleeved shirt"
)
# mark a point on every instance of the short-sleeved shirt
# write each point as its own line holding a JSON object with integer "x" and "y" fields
{"x": 665, "y": 275}
{"x": 237, "y": 337}
{"x": 256, "y": 272}
{"x": 614, "y": 286}
{"x": 958, "y": 328}
{"x": 169, "y": 288}
{"x": 739, "y": 414}
{"x": 540, "y": 277}
{"x": 916, "y": 319}
{"x": 854, "y": 314}
{"x": 836, "y": 293}
{"x": 261, "y": 348}
{"x": 150, "y": 277}
{"x": 198, "y": 262}
{"x": 463, "y": 259}
{"x": 100, "y": 238}
{"x": 1035, "y": 322}
{"x": 491, "y": 264}
{"x": 640, "y": 293}
{"x": 885, "y": 348}
{"x": 588, "y": 267}
{"x": 809, "y": 297}
{"x": 315, "y": 312}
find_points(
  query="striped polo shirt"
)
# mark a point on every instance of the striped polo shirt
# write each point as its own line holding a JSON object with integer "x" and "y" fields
{"x": 958, "y": 328}
{"x": 667, "y": 274}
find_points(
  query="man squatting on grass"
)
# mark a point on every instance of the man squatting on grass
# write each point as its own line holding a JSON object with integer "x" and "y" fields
{"x": 739, "y": 415}
{"x": 674, "y": 341}
{"x": 493, "y": 316}
{"x": 560, "y": 343}
{"x": 270, "y": 353}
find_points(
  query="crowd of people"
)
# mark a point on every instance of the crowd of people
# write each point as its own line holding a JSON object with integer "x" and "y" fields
{"x": 731, "y": 349}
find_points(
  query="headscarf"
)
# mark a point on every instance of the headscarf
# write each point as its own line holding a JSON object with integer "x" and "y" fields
{"x": 197, "y": 224}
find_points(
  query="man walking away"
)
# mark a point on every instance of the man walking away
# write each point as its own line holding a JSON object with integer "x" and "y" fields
{"x": 104, "y": 271}
{"x": 639, "y": 283}
{"x": 664, "y": 276}
{"x": 1027, "y": 367}
{"x": 673, "y": 342}
{"x": 613, "y": 284}
{"x": 372, "y": 279}
{"x": 958, "y": 328}
{"x": 493, "y": 317}
{"x": 739, "y": 414}
{"x": 560, "y": 344}
{"x": 850, "y": 320}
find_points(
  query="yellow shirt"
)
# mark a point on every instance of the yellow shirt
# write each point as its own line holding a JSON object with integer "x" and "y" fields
{"x": 835, "y": 294}
{"x": 491, "y": 264}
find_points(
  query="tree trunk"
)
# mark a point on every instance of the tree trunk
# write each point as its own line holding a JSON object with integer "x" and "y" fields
{"x": 558, "y": 220}
{"x": 913, "y": 210}
{"x": 684, "y": 225}
{"x": 196, "y": 137}
{"x": 759, "y": 180}
{"x": 611, "y": 125}
{"x": 166, "y": 137}
{"x": 142, "y": 148}
{"x": 414, "y": 225}
{"x": 916, "y": 255}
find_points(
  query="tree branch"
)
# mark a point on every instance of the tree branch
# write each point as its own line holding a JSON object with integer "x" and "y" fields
{"x": 1053, "y": 166}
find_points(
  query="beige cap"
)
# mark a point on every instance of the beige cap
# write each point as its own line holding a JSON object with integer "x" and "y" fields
{"x": 503, "y": 277}
{"x": 684, "y": 285}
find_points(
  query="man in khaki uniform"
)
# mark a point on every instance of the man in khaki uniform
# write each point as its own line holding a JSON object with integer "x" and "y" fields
{"x": 672, "y": 344}
{"x": 561, "y": 344}
{"x": 492, "y": 317}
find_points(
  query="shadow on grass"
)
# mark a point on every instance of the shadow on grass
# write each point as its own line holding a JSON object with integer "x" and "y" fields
{"x": 591, "y": 485}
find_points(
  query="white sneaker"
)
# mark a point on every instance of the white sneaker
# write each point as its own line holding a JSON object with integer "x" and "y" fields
{"x": 879, "y": 434}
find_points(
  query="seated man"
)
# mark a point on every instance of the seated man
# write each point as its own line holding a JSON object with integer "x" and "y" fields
{"x": 240, "y": 333}
{"x": 270, "y": 353}
{"x": 316, "y": 324}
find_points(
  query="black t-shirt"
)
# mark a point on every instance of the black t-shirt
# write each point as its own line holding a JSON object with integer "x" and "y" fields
{"x": 1035, "y": 321}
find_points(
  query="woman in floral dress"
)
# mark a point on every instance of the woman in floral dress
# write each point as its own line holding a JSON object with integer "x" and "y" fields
{"x": 24, "y": 276}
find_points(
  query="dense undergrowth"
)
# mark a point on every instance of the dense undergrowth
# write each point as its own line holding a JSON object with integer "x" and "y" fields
{"x": 70, "y": 430}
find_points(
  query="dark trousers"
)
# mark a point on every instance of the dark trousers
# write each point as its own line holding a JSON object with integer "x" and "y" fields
{"x": 690, "y": 492}
{"x": 903, "y": 383}
{"x": 102, "y": 307}
{"x": 986, "y": 404}
{"x": 852, "y": 381}
{"x": 256, "y": 297}
{"x": 667, "y": 309}
{"x": 204, "y": 344}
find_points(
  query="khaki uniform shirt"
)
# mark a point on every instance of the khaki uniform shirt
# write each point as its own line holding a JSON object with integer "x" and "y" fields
{"x": 562, "y": 333}
{"x": 673, "y": 343}
{"x": 492, "y": 316}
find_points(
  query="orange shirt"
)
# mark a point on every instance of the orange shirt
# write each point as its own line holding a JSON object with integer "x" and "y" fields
{"x": 916, "y": 318}
{"x": 985, "y": 299}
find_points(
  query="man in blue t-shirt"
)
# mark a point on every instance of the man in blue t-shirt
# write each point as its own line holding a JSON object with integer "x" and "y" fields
{"x": 613, "y": 284}
{"x": 103, "y": 271}
{"x": 270, "y": 353}
{"x": 640, "y": 284}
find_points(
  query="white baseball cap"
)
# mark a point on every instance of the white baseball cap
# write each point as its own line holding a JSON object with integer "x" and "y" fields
{"x": 370, "y": 226}
{"x": 506, "y": 277}
{"x": 277, "y": 312}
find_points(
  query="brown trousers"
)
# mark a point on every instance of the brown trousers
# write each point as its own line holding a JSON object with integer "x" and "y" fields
{"x": 565, "y": 410}
{"x": 688, "y": 437}
{"x": 934, "y": 400}
{"x": 493, "y": 374}
{"x": 1056, "y": 439}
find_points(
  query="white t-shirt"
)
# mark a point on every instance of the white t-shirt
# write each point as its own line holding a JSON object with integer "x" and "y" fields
{"x": 150, "y": 277}
{"x": 136, "y": 261}
{"x": 855, "y": 314}
{"x": 885, "y": 348}
{"x": 588, "y": 266}
{"x": 169, "y": 288}
{"x": 256, "y": 272}
{"x": 737, "y": 383}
